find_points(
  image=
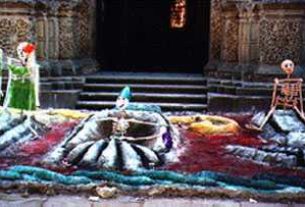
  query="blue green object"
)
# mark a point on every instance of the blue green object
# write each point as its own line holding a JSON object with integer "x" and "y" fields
{"x": 126, "y": 93}
{"x": 263, "y": 183}
{"x": 36, "y": 173}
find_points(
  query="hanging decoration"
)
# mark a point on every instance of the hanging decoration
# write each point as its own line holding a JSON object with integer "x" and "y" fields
{"x": 178, "y": 14}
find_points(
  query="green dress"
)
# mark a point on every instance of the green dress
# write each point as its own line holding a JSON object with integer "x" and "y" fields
{"x": 21, "y": 89}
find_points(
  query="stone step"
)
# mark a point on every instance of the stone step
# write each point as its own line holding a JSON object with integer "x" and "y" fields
{"x": 190, "y": 89}
{"x": 56, "y": 83}
{"x": 173, "y": 92}
{"x": 245, "y": 90}
{"x": 155, "y": 80}
{"x": 238, "y": 103}
{"x": 213, "y": 88}
{"x": 238, "y": 83}
{"x": 58, "y": 78}
{"x": 254, "y": 91}
{"x": 146, "y": 97}
{"x": 99, "y": 105}
{"x": 54, "y": 86}
{"x": 240, "y": 90}
{"x": 59, "y": 98}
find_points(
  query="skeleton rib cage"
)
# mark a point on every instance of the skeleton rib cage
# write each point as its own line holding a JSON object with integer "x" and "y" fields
{"x": 287, "y": 93}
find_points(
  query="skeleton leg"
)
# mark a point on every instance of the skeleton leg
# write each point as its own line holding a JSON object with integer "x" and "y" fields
{"x": 301, "y": 98}
{"x": 299, "y": 113}
{"x": 260, "y": 128}
{"x": 270, "y": 113}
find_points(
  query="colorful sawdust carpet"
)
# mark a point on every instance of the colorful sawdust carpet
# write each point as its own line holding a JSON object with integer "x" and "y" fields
{"x": 203, "y": 164}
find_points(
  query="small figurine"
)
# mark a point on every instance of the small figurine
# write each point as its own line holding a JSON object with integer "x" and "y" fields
{"x": 287, "y": 94}
{"x": 123, "y": 103}
{"x": 121, "y": 125}
{"x": 23, "y": 85}
{"x": 123, "y": 100}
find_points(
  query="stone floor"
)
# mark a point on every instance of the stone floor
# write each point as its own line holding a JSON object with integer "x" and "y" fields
{"x": 76, "y": 201}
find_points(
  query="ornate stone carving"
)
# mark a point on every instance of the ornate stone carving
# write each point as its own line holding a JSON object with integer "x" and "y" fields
{"x": 6, "y": 28}
{"x": 229, "y": 49}
{"x": 262, "y": 34}
{"x": 84, "y": 30}
{"x": 23, "y": 29}
{"x": 13, "y": 31}
{"x": 61, "y": 29}
{"x": 67, "y": 42}
{"x": 280, "y": 39}
{"x": 216, "y": 30}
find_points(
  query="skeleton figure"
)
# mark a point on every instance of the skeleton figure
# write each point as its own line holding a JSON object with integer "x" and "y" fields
{"x": 287, "y": 94}
{"x": 23, "y": 86}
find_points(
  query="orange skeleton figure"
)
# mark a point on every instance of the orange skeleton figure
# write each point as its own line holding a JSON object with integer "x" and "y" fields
{"x": 287, "y": 94}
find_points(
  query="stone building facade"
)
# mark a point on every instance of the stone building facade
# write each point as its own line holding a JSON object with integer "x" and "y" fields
{"x": 248, "y": 38}
{"x": 62, "y": 29}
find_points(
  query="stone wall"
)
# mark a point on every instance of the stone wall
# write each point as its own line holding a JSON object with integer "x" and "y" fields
{"x": 250, "y": 38}
{"x": 63, "y": 31}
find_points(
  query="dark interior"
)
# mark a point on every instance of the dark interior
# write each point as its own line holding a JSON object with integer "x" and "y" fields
{"x": 135, "y": 35}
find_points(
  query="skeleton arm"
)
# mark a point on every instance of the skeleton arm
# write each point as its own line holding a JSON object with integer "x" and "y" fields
{"x": 274, "y": 97}
{"x": 290, "y": 80}
{"x": 301, "y": 98}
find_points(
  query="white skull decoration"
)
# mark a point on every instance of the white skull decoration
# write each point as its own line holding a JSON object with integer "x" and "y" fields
{"x": 24, "y": 50}
{"x": 288, "y": 67}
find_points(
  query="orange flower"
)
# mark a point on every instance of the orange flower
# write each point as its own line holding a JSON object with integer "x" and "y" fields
{"x": 29, "y": 48}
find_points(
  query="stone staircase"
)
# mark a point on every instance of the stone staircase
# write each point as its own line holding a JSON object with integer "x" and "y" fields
{"x": 172, "y": 92}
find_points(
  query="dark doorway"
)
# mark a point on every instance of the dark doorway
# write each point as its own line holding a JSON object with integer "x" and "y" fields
{"x": 136, "y": 35}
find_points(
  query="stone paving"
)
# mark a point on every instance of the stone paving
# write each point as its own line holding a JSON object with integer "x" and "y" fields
{"x": 82, "y": 201}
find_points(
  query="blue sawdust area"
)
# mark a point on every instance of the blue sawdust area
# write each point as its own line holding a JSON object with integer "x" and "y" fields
{"x": 264, "y": 183}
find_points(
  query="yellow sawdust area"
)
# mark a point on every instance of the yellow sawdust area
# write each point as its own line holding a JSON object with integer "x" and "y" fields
{"x": 66, "y": 113}
{"x": 207, "y": 125}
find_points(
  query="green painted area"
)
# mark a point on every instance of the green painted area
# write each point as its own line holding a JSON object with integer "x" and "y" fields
{"x": 21, "y": 91}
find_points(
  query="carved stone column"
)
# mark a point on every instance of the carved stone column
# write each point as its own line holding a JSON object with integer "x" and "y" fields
{"x": 215, "y": 37}
{"x": 53, "y": 32}
{"x": 216, "y": 30}
{"x": 246, "y": 23}
{"x": 247, "y": 38}
{"x": 42, "y": 32}
{"x": 226, "y": 67}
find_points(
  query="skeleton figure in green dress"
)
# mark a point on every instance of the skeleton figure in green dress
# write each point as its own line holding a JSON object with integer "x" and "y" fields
{"x": 23, "y": 85}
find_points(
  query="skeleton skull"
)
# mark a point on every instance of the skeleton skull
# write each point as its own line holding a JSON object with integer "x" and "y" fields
{"x": 21, "y": 54}
{"x": 288, "y": 67}
{"x": 24, "y": 50}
